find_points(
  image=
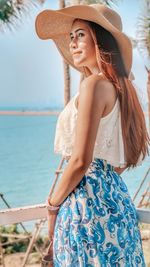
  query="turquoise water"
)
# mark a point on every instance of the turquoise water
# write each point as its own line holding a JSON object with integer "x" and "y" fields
{"x": 28, "y": 162}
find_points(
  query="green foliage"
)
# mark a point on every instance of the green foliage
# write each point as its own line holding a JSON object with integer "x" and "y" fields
{"x": 16, "y": 246}
{"x": 104, "y": 2}
{"x": 11, "y": 11}
{"x": 9, "y": 250}
{"x": 143, "y": 29}
{"x": 40, "y": 241}
{"x": 12, "y": 229}
{"x": 6, "y": 10}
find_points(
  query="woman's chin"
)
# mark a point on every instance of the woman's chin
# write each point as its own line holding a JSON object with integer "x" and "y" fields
{"x": 78, "y": 65}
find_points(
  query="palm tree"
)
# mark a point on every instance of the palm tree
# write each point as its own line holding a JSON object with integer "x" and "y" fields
{"x": 88, "y": 2}
{"x": 143, "y": 42}
{"x": 143, "y": 30}
{"x": 148, "y": 93}
{"x": 66, "y": 70}
{"x": 12, "y": 10}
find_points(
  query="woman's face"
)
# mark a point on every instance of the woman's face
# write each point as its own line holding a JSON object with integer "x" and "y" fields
{"x": 82, "y": 47}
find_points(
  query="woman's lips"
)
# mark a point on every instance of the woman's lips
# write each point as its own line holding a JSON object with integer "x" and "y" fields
{"x": 76, "y": 53}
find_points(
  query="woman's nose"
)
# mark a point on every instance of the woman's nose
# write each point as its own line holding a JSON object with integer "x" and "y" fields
{"x": 73, "y": 43}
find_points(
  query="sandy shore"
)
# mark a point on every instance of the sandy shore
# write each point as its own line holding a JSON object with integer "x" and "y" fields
{"x": 16, "y": 260}
{"x": 35, "y": 112}
{"x": 30, "y": 112}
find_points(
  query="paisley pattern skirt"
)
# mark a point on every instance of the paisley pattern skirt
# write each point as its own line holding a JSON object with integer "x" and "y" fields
{"x": 97, "y": 224}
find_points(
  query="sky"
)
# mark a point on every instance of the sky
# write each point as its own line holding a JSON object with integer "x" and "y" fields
{"x": 31, "y": 69}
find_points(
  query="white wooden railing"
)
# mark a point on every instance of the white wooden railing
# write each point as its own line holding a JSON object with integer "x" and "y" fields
{"x": 29, "y": 213}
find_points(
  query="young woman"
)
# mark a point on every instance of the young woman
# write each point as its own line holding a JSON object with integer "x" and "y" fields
{"x": 101, "y": 132}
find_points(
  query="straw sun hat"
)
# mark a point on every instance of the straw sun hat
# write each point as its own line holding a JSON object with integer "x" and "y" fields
{"x": 56, "y": 25}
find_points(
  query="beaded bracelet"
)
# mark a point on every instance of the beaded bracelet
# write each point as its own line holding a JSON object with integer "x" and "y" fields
{"x": 52, "y": 209}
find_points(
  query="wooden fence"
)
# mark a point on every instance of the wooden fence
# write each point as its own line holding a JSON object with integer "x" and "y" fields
{"x": 22, "y": 214}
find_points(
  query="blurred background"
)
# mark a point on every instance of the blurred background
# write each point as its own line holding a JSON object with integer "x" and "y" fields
{"x": 35, "y": 85}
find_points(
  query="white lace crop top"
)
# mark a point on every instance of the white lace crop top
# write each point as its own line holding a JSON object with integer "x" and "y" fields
{"x": 109, "y": 142}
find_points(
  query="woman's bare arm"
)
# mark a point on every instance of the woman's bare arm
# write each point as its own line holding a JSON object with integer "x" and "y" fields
{"x": 91, "y": 105}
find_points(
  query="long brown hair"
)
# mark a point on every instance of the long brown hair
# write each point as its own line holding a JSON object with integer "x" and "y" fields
{"x": 135, "y": 135}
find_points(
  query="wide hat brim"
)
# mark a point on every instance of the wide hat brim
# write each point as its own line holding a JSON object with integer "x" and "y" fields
{"x": 56, "y": 25}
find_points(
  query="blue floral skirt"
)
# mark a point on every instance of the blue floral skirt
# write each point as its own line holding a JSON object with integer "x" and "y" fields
{"x": 97, "y": 223}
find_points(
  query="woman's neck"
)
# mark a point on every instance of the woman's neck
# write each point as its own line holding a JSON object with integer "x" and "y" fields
{"x": 94, "y": 69}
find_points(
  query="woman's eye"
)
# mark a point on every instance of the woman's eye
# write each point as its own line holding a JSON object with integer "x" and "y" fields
{"x": 80, "y": 34}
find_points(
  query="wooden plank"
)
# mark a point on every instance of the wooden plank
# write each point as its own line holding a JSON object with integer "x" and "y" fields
{"x": 143, "y": 215}
{"x": 22, "y": 214}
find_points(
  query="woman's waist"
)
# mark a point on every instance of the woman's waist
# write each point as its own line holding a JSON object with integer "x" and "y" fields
{"x": 103, "y": 163}
{"x": 113, "y": 154}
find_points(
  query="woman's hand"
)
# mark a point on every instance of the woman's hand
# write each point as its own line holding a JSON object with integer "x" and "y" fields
{"x": 51, "y": 219}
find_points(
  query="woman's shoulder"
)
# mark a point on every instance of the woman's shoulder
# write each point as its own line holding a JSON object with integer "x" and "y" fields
{"x": 94, "y": 78}
{"x": 98, "y": 84}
